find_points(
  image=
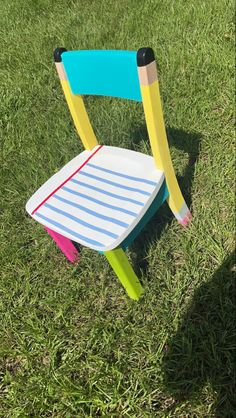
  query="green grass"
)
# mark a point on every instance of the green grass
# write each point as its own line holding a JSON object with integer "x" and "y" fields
{"x": 71, "y": 342}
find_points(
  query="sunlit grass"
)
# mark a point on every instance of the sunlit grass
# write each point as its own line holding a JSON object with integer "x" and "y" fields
{"x": 72, "y": 344}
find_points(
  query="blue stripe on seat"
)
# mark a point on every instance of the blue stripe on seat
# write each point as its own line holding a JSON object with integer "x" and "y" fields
{"x": 69, "y": 231}
{"x": 91, "y": 212}
{"x": 79, "y": 221}
{"x": 112, "y": 183}
{"x": 99, "y": 202}
{"x": 116, "y": 196}
{"x": 125, "y": 176}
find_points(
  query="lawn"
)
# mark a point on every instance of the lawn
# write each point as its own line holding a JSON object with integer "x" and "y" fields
{"x": 72, "y": 344}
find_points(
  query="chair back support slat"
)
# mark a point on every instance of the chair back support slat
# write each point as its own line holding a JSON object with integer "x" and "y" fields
{"x": 103, "y": 72}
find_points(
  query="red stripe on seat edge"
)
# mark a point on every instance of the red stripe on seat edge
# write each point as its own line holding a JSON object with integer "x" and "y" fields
{"x": 62, "y": 184}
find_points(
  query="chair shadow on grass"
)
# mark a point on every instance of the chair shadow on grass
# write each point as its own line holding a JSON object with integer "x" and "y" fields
{"x": 203, "y": 349}
{"x": 189, "y": 142}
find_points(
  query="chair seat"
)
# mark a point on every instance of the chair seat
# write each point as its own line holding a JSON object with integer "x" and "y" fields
{"x": 99, "y": 197}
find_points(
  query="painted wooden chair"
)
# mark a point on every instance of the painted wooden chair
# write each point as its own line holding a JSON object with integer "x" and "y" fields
{"x": 105, "y": 195}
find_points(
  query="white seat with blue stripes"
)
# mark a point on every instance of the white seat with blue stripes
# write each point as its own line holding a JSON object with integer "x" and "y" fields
{"x": 98, "y": 197}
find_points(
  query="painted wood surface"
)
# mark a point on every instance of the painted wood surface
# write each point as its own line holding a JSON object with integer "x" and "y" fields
{"x": 124, "y": 271}
{"x": 65, "y": 245}
{"x": 160, "y": 198}
{"x": 103, "y": 72}
{"x": 157, "y": 134}
{"x": 100, "y": 202}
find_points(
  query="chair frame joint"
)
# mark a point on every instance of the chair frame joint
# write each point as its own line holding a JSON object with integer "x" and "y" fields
{"x": 145, "y": 56}
{"x": 58, "y": 53}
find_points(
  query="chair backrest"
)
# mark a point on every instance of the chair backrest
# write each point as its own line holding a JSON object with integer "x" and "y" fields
{"x": 101, "y": 72}
{"x": 125, "y": 74}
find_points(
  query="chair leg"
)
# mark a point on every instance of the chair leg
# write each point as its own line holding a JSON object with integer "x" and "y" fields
{"x": 124, "y": 271}
{"x": 65, "y": 245}
{"x": 180, "y": 211}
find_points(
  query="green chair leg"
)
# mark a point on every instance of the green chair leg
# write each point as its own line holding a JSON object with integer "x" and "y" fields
{"x": 124, "y": 271}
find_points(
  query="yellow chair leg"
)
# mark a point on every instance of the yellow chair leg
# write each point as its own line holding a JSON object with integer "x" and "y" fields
{"x": 77, "y": 110}
{"x": 150, "y": 92}
{"x": 124, "y": 271}
{"x": 182, "y": 213}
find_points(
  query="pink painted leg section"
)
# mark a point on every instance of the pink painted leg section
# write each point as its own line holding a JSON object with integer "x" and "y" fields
{"x": 65, "y": 245}
{"x": 186, "y": 219}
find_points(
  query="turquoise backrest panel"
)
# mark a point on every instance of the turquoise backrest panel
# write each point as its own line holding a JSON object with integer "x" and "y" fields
{"x": 103, "y": 72}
